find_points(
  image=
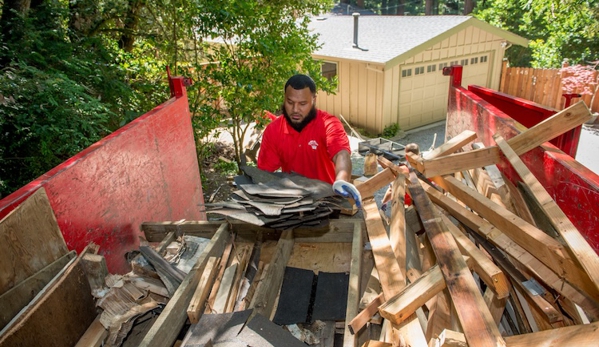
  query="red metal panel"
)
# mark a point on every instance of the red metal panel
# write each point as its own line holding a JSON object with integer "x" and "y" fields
{"x": 146, "y": 171}
{"x": 574, "y": 187}
{"x": 528, "y": 113}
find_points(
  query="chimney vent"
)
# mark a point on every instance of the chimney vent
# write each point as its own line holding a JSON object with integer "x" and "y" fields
{"x": 355, "y": 44}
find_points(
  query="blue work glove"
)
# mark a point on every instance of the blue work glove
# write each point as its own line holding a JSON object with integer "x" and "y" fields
{"x": 348, "y": 190}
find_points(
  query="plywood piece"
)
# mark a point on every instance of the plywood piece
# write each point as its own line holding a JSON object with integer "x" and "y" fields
{"x": 19, "y": 296}
{"x": 31, "y": 240}
{"x": 578, "y": 245}
{"x": 66, "y": 305}
{"x": 327, "y": 257}
{"x": 168, "y": 325}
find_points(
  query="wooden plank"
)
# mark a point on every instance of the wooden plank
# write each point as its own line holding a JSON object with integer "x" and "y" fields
{"x": 540, "y": 271}
{"x": 264, "y": 302}
{"x": 31, "y": 240}
{"x": 577, "y": 244}
{"x": 242, "y": 257}
{"x": 390, "y": 275}
{"x": 578, "y": 335}
{"x": 413, "y": 296}
{"x": 353, "y": 294}
{"x": 473, "y": 314}
{"x": 94, "y": 335}
{"x": 96, "y": 270}
{"x": 360, "y": 320}
{"x": 535, "y": 136}
{"x": 66, "y": 305}
{"x": 495, "y": 304}
{"x": 378, "y": 181}
{"x": 224, "y": 291}
{"x": 20, "y": 295}
{"x": 453, "y": 145}
{"x": 197, "y": 304}
{"x": 221, "y": 271}
{"x": 542, "y": 246}
{"x": 165, "y": 329}
{"x": 482, "y": 265}
{"x": 397, "y": 227}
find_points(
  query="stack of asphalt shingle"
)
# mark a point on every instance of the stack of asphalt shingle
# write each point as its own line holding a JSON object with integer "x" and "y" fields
{"x": 279, "y": 200}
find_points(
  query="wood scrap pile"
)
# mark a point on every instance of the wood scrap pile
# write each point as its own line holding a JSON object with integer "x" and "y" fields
{"x": 469, "y": 264}
{"x": 281, "y": 201}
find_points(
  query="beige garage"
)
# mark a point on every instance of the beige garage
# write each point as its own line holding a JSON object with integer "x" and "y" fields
{"x": 389, "y": 68}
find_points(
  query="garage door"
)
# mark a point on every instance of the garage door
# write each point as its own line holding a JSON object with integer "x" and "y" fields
{"x": 424, "y": 89}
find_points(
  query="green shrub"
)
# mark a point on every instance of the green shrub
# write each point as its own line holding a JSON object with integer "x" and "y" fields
{"x": 390, "y": 131}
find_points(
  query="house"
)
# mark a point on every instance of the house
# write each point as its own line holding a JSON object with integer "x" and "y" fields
{"x": 389, "y": 68}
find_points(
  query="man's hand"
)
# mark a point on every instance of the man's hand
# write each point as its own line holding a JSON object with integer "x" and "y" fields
{"x": 348, "y": 190}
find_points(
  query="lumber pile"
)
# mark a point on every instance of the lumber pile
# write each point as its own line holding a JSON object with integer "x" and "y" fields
{"x": 469, "y": 264}
{"x": 279, "y": 200}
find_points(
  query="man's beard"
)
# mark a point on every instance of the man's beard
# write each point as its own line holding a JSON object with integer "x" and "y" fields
{"x": 301, "y": 125}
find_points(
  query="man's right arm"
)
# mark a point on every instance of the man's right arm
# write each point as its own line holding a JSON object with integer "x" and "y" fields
{"x": 268, "y": 158}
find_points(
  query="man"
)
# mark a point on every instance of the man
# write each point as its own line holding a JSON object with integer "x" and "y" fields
{"x": 308, "y": 141}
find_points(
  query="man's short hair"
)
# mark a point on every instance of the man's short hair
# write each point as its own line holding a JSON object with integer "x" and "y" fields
{"x": 299, "y": 82}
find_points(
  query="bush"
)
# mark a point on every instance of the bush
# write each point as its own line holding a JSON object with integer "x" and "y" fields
{"x": 390, "y": 131}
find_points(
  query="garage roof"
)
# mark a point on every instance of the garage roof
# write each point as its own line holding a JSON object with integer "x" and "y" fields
{"x": 388, "y": 38}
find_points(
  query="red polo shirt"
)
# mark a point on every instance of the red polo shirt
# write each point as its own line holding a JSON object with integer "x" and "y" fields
{"x": 309, "y": 152}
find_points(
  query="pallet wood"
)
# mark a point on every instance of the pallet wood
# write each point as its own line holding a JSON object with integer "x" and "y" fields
{"x": 546, "y": 249}
{"x": 65, "y": 304}
{"x": 474, "y": 315}
{"x": 31, "y": 240}
{"x": 540, "y": 271}
{"x": 264, "y": 302}
{"x": 165, "y": 329}
{"x": 196, "y": 305}
{"x": 535, "y": 136}
{"x": 353, "y": 294}
{"x": 578, "y": 245}
{"x": 20, "y": 295}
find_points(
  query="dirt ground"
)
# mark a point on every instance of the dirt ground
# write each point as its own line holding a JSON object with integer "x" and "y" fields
{"x": 217, "y": 185}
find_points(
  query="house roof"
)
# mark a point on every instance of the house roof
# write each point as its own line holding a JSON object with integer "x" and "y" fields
{"x": 392, "y": 38}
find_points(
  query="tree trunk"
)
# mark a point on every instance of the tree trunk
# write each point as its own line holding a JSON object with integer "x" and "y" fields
{"x": 10, "y": 22}
{"x": 428, "y": 7}
{"x": 468, "y": 6}
{"x": 360, "y": 3}
{"x": 131, "y": 24}
{"x": 401, "y": 8}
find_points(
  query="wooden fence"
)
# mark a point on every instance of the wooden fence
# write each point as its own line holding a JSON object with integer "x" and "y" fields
{"x": 542, "y": 86}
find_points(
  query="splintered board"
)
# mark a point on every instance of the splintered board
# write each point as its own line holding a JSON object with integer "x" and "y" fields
{"x": 31, "y": 240}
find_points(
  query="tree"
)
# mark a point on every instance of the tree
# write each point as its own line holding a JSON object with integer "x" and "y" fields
{"x": 251, "y": 49}
{"x": 558, "y": 29}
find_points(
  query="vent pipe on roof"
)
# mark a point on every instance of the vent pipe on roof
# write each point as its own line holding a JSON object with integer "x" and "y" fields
{"x": 355, "y": 45}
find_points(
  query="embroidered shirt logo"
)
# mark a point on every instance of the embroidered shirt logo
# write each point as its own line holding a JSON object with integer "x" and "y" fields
{"x": 313, "y": 144}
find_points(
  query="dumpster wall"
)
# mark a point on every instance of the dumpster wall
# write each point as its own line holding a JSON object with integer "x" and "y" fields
{"x": 146, "y": 171}
{"x": 574, "y": 187}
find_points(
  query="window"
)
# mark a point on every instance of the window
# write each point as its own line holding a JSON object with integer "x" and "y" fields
{"x": 483, "y": 59}
{"x": 328, "y": 70}
{"x": 464, "y": 62}
{"x": 419, "y": 70}
{"x": 406, "y": 73}
{"x": 455, "y": 62}
{"x": 431, "y": 68}
{"x": 474, "y": 60}
{"x": 442, "y": 65}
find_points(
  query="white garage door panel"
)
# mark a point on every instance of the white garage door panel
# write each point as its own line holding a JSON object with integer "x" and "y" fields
{"x": 423, "y": 97}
